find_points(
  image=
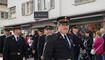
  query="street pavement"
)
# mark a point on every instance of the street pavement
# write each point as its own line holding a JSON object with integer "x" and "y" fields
{"x": 30, "y": 59}
{"x": 23, "y": 58}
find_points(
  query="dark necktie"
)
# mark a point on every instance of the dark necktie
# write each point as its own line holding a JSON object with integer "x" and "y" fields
{"x": 46, "y": 38}
{"x": 17, "y": 38}
{"x": 67, "y": 41}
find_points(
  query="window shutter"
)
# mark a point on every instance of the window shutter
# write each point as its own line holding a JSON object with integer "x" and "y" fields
{"x": 6, "y": 15}
{"x": 39, "y": 5}
{"x": 52, "y": 4}
{"x": 0, "y": 15}
{"x": 31, "y": 7}
{"x": 23, "y": 9}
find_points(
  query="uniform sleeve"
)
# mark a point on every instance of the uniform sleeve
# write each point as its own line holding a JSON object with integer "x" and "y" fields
{"x": 34, "y": 45}
{"x": 1, "y": 44}
{"x": 81, "y": 43}
{"x": 89, "y": 46}
{"x": 40, "y": 45}
{"x": 5, "y": 53}
{"x": 48, "y": 49}
{"x": 25, "y": 48}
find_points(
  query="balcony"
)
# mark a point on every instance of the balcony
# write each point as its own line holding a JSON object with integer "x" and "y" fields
{"x": 3, "y": 2}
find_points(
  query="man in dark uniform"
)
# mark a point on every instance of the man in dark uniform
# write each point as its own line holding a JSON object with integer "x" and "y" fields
{"x": 34, "y": 45}
{"x": 15, "y": 47}
{"x": 102, "y": 30}
{"x": 2, "y": 38}
{"x": 59, "y": 45}
{"x": 77, "y": 42}
{"x": 48, "y": 30}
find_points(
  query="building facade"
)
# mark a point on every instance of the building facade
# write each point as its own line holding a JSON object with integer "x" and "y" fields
{"x": 3, "y": 14}
{"x": 38, "y": 13}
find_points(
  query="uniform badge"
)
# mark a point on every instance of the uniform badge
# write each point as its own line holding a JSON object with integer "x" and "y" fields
{"x": 13, "y": 38}
{"x": 60, "y": 37}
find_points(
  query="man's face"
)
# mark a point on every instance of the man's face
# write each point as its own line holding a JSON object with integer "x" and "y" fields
{"x": 40, "y": 33}
{"x": 87, "y": 34}
{"x": 75, "y": 30}
{"x": 102, "y": 30}
{"x": 16, "y": 32}
{"x": 7, "y": 32}
{"x": 48, "y": 32}
{"x": 63, "y": 28}
{"x": 19, "y": 31}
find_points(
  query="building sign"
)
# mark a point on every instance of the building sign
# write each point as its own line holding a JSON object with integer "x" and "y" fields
{"x": 79, "y": 2}
{"x": 40, "y": 15}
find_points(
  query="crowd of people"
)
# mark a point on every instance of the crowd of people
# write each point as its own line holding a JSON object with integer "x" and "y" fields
{"x": 47, "y": 44}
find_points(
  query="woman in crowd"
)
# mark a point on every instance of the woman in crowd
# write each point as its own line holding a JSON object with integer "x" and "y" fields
{"x": 88, "y": 41}
{"x": 98, "y": 46}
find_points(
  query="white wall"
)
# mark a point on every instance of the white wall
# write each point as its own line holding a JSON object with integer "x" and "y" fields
{"x": 3, "y": 8}
{"x": 54, "y": 13}
{"x": 1, "y": 27}
{"x": 19, "y": 18}
{"x": 68, "y": 9}
{"x": 62, "y": 8}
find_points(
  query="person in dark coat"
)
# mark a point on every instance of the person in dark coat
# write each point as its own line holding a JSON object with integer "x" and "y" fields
{"x": 48, "y": 30}
{"x": 59, "y": 45}
{"x": 41, "y": 41}
{"x": 15, "y": 47}
{"x": 77, "y": 42}
{"x": 2, "y": 38}
{"x": 88, "y": 41}
{"x": 34, "y": 45}
{"x": 102, "y": 30}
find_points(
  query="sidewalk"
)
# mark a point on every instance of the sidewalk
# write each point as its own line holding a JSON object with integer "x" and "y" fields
{"x": 23, "y": 59}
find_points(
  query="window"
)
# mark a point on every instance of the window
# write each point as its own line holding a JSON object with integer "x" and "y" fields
{"x": 2, "y": 31}
{"x": 45, "y": 5}
{"x": 27, "y": 8}
{"x": 78, "y": 2}
{"x": 4, "y": 15}
{"x": 12, "y": 12}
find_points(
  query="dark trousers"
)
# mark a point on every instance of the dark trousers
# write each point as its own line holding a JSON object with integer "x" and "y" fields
{"x": 35, "y": 57}
{"x": 98, "y": 57}
{"x": 89, "y": 55}
{"x": 75, "y": 53}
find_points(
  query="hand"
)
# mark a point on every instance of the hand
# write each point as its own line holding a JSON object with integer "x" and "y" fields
{"x": 104, "y": 52}
{"x": 28, "y": 49}
{"x": 41, "y": 57}
{"x": 27, "y": 59}
{"x": 84, "y": 51}
{"x": 33, "y": 51}
{"x": 1, "y": 55}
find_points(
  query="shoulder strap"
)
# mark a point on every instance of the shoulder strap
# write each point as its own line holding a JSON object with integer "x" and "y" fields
{"x": 99, "y": 46}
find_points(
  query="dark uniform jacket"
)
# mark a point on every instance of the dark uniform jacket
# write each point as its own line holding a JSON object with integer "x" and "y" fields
{"x": 34, "y": 45}
{"x": 40, "y": 46}
{"x": 77, "y": 43}
{"x": 56, "y": 47}
{"x": 88, "y": 41}
{"x": 2, "y": 38}
{"x": 104, "y": 41}
{"x": 14, "y": 50}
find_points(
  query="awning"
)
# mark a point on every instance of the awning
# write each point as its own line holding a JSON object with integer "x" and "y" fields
{"x": 85, "y": 19}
